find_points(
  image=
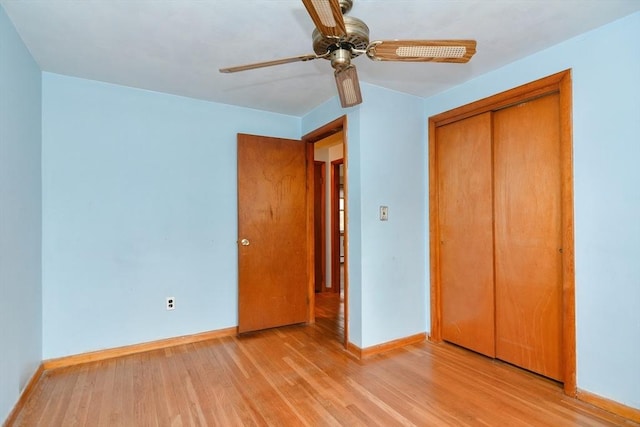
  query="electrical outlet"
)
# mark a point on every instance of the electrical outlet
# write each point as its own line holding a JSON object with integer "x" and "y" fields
{"x": 171, "y": 303}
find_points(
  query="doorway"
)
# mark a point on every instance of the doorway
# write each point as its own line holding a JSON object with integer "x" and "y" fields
{"x": 319, "y": 225}
{"x": 337, "y": 225}
{"x": 330, "y": 230}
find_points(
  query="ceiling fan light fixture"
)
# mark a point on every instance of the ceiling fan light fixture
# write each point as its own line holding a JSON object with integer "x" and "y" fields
{"x": 431, "y": 51}
{"x": 340, "y": 59}
{"x": 348, "y": 86}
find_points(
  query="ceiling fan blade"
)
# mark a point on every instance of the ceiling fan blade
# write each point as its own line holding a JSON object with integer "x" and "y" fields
{"x": 327, "y": 16}
{"x": 348, "y": 86}
{"x": 422, "y": 50}
{"x": 300, "y": 58}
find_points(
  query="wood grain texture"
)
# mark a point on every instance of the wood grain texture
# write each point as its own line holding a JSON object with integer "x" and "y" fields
{"x": 610, "y": 405}
{"x": 568, "y": 244}
{"x": 275, "y": 216}
{"x": 528, "y": 236}
{"x": 310, "y": 231}
{"x": 392, "y": 345}
{"x": 363, "y": 353}
{"x": 419, "y": 50}
{"x": 557, "y": 83}
{"x": 466, "y": 233}
{"x": 301, "y": 375}
{"x": 95, "y": 356}
{"x": 435, "y": 291}
{"x": 319, "y": 226}
{"x": 540, "y": 87}
{"x": 328, "y": 21}
{"x": 335, "y": 224}
{"x": 24, "y": 395}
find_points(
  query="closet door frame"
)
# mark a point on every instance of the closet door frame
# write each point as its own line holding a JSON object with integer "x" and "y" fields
{"x": 559, "y": 83}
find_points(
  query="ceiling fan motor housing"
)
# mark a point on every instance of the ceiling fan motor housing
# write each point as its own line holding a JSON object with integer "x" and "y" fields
{"x": 357, "y": 39}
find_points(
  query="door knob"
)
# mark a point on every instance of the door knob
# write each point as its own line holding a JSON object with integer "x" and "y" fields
{"x": 244, "y": 242}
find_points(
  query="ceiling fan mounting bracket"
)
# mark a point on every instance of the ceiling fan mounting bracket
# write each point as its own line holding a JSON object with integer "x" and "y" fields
{"x": 346, "y": 5}
{"x": 371, "y": 50}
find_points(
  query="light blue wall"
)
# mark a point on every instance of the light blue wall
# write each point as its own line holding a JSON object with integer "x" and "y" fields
{"x": 139, "y": 203}
{"x": 392, "y": 173}
{"x": 20, "y": 216}
{"x": 606, "y": 129}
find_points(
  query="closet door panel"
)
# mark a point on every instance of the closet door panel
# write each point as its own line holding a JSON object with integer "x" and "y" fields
{"x": 465, "y": 230}
{"x": 528, "y": 259}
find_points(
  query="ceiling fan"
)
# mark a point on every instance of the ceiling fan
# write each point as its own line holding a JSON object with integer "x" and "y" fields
{"x": 341, "y": 38}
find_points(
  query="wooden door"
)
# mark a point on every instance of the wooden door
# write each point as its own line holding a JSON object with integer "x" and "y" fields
{"x": 273, "y": 263}
{"x": 528, "y": 262}
{"x": 465, "y": 226}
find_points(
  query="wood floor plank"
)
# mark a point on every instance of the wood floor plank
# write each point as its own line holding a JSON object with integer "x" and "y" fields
{"x": 302, "y": 376}
{"x": 144, "y": 407}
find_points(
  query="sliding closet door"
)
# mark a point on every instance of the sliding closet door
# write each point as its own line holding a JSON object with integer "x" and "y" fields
{"x": 528, "y": 262}
{"x": 465, "y": 229}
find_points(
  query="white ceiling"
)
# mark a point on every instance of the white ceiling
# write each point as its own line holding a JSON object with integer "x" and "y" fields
{"x": 177, "y": 46}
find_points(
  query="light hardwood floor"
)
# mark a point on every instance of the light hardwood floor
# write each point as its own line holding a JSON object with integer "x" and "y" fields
{"x": 301, "y": 375}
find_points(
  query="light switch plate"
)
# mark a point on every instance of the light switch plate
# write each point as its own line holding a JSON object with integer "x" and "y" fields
{"x": 384, "y": 213}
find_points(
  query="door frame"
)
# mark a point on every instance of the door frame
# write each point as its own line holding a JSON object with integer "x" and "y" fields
{"x": 319, "y": 195}
{"x": 335, "y": 126}
{"x": 557, "y": 83}
{"x": 335, "y": 224}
